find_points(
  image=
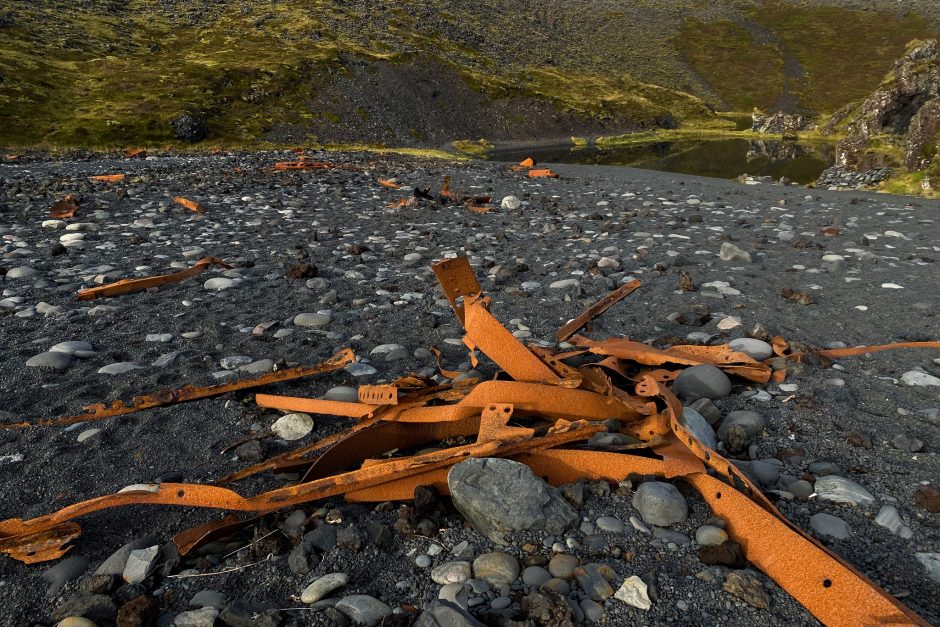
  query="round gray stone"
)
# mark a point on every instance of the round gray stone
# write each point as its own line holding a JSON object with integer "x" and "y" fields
{"x": 660, "y": 503}
{"x": 705, "y": 381}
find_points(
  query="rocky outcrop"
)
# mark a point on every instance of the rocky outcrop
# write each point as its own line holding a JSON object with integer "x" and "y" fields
{"x": 905, "y": 109}
{"x": 777, "y": 123}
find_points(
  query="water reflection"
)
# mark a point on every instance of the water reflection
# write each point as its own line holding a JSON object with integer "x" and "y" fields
{"x": 801, "y": 162}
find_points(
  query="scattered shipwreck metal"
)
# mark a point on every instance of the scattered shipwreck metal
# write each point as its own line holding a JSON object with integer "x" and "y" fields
{"x": 555, "y": 408}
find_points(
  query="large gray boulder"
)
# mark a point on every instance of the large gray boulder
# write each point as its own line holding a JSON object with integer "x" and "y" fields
{"x": 500, "y": 495}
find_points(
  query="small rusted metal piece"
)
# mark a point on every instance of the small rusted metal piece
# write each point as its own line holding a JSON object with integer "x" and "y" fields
{"x": 542, "y": 174}
{"x": 107, "y": 178}
{"x": 125, "y": 286}
{"x": 596, "y": 309}
{"x": 303, "y": 164}
{"x": 135, "y": 153}
{"x": 64, "y": 209}
{"x": 389, "y": 184}
{"x": 100, "y": 411}
{"x": 192, "y": 205}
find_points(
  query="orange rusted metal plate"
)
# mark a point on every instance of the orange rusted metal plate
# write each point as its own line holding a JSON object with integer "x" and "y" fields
{"x": 457, "y": 279}
{"x": 192, "y": 205}
{"x": 107, "y": 178}
{"x": 378, "y": 394}
{"x": 388, "y": 184}
{"x": 64, "y": 209}
{"x": 99, "y": 411}
{"x": 125, "y": 286}
{"x": 596, "y": 309}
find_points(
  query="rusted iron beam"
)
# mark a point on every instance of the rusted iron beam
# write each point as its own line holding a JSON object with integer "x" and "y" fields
{"x": 125, "y": 286}
{"x": 100, "y": 411}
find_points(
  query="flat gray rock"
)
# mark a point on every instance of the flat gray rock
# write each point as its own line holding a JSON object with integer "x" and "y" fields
{"x": 836, "y": 489}
{"x": 54, "y": 360}
{"x": 363, "y": 609}
{"x": 830, "y": 526}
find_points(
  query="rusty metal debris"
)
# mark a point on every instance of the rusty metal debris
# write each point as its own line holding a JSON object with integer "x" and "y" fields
{"x": 543, "y": 173}
{"x": 553, "y": 406}
{"x": 523, "y": 165}
{"x": 446, "y": 196}
{"x": 303, "y": 164}
{"x": 192, "y": 205}
{"x": 100, "y": 411}
{"x": 135, "y": 153}
{"x": 107, "y": 178}
{"x": 125, "y": 286}
{"x": 596, "y": 309}
{"x": 389, "y": 184}
{"x": 65, "y": 208}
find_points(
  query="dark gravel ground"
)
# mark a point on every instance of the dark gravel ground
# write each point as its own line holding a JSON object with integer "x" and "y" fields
{"x": 654, "y": 225}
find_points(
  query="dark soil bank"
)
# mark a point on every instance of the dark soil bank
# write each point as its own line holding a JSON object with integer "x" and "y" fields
{"x": 873, "y": 420}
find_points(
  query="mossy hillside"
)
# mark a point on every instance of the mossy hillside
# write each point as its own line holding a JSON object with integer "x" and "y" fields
{"x": 745, "y": 73}
{"x": 842, "y": 55}
{"x": 114, "y": 73}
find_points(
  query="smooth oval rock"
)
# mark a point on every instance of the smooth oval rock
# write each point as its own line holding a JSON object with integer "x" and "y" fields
{"x": 755, "y": 349}
{"x": 312, "y": 320}
{"x": 219, "y": 283}
{"x": 705, "y": 381}
{"x": 660, "y": 503}
{"x": 292, "y": 426}
{"x": 496, "y": 568}
{"x": 323, "y": 586}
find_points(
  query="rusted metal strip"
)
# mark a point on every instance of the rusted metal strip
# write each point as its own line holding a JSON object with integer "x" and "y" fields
{"x": 497, "y": 343}
{"x": 314, "y": 406}
{"x": 836, "y": 353}
{"x": 107, "y": 178}
{"x": 14, "y": 532}
{"x": 99, "y": 411}
{"x": 125, "y": 286}
{"x": 596, "y": 309}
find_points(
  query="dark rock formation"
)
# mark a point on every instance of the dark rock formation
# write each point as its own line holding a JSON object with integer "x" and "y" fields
{"x": 777, "y": 123}
{"x": 905, "y": 106}
{"x": 189, "y": 128}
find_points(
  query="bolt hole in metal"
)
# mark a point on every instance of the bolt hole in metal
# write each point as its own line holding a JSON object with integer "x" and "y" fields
{"x": 717, "y": 495}
{"x": 180, "y": 493}
{"x": 827, "y": 583}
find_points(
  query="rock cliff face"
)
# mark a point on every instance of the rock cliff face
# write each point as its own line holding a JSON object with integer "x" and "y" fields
{"x": 902, "y": 115}
{"x": 777, "y": 123}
